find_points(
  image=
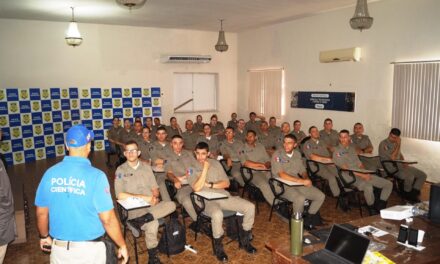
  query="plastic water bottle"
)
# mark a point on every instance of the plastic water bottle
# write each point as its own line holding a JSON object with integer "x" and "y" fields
{"x": 296, "y": 234}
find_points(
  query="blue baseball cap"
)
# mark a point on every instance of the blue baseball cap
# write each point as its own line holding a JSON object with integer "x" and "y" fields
{"x": 78, "y": 136}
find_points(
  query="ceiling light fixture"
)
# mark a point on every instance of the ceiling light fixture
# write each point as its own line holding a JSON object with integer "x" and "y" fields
{"x": 361, "y": 19}
{"x": 73, "y": 37}
{"x": 221, "y": 45}
{"x": 131, "y": 4}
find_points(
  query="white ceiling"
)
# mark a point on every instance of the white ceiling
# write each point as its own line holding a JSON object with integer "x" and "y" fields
{"x": 239, "y": 15}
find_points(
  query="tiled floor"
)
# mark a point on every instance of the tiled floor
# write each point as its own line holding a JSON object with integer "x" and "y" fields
{"x": 30, "y": 175}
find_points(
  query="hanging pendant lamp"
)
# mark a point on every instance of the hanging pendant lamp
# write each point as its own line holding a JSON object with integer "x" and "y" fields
{"x": 221, "y": 45}
{"x": 361, "y": 19}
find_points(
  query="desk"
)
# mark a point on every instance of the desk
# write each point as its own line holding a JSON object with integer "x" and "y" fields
{"x": 359, "y": 170}
{"x": 288, "y": 183}
{"x": 406, "y": 161}
{"x": 210, "y": 196}
{"x": 280, "y": 247}
{"x": 368, "y": 155}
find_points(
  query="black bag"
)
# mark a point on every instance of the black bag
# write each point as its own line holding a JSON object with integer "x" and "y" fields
{"x": 231, "y": 226}
{"x": 256, "y": 194}
{"x": 110, "y": 250}
{"x": 173, "y": 237}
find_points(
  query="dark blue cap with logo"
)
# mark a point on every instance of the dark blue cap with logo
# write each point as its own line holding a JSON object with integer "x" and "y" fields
{"x": 78, "y": 136}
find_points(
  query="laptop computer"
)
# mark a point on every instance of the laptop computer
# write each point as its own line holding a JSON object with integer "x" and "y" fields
{"x": 342, "y": 246}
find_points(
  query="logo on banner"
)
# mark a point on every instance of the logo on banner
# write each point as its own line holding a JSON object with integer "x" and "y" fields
{"x": 16, "y": 132}
{"x": 97, "y": 124}
{"x": 107, "y": 113}
{"x": 38, "y": 129}
{"x": 86, "y": 114}
{"x": 66, "y": 115}
{"x": 28, "y": 143}
{"x": 147, "y": 111}
{"x": 3, "y": 121}
{"x": 156, "y": 101}
{"x": 146, "y": 92}
{"x": 106, "y": 92}
{"x": 2, "y": 95}
{"x": 24, "y": 94}
{"x": 18, "y": 157}
{"x": 64, "y": 93}
{"x": 58, "y": 127}
{"x": 6, "y": 146}
{"x": 13, "y": 107}
{"x": 56, "y": 105}
{"x": 96, "y": 103}
{"x": 40, "y": 153}
{"x": 127, "y": 112}
{"x": 45, "y": 93}
{"x": 60, "y": 150}
{"x": 98, "y": 145}
{"x": 137, "y": 102}
{"x": 36, "y": 106}
{"x": 47, "y": 116}
{"x": 75, "y": 103}
{"x": 49, "y": 140}
{"x": 126, "y": 92}
{"x": 117, "y": 103}
{"x": 85, "y": 93}
{"x": 26, "y": 119}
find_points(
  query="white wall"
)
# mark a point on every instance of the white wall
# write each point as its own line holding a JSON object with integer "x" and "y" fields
{"x": 34, "y": 54}
{"x": 402, "y": 30}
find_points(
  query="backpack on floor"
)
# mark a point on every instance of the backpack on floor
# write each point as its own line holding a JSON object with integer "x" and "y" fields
{"x": 173, "y": 237}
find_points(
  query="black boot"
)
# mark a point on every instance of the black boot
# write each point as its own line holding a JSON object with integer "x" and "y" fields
{"x": 153, "y": 258}
{"x": 245, "y": 242}
{"x": 412, "y": 196}
{"x": 317, "y": 220}
{"x": 308, "y": 222}
{"x": 380, "y": 204}
{"x": 372, "y": 210}
{"x": 218, "y": 249}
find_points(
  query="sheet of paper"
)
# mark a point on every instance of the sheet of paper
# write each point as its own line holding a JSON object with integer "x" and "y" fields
{"x": 133, "y": 203}
{"x": 211, "y": 195}
{"x": 289, "y": 183}
{"x": 373, "y": 230}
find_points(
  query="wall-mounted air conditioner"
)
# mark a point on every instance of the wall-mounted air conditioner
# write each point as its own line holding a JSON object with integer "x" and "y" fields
{"x": 185, "y": 59}
{"x": 350, "y": 54}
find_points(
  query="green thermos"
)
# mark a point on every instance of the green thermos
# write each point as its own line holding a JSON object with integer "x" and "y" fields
{"x": 296, "y": 234}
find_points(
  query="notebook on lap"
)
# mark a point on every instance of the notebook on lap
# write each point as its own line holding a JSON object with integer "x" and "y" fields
{"x": 342, "y": 246}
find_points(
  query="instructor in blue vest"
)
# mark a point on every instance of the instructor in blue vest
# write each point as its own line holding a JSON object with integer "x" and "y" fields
{"x": 76, "y": 198}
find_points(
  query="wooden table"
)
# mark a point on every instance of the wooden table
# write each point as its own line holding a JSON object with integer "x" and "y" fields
{"x": 280, "y": 247}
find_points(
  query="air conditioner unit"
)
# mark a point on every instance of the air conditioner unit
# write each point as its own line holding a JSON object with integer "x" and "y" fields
{"x": 185, "y": 59}
{"x": 351, "y": 54}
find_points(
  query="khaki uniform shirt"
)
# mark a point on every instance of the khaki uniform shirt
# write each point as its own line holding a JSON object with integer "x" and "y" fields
{"x": 268, "y": 140}
{"x": 145, "y": 147}
{"x": 330, "y": 139}
{"x": 190, "y": 139}
{"x": 219, "y": 127}
{"x": 114, "y": 133}
{"x": 255, "y": 126}
{"x": 386, "y": 148}
{"x": 231, "y": 149}
{"x": 291, "y": 165}
{"x": 255, "y": 154}
{"x": 127, "y": 135}
{"x": 315, "y": 147}
{"x": 274, "y": 130}
{"x": 136, "y": 181}
{"x": 179, "y": 164}
{"x": 198, "y": 127}
{"x": 300, "y": 135}
{"x": 233, "y": 123}
{"x": 172, "y": 132}
{"x": 240, "y": 135}
{"x": 361, "y": 142}
{"x": 7, "y": 212}
{"x": 346, "y": 157}
{"x": 159, "y": 151}
{"x": 215, "y": 174}
{"x": 279, "y": 140}
{"x": 212, "y": 143}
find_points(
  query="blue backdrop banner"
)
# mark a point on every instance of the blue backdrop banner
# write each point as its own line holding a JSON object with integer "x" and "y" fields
{"x": 337, "y": 101}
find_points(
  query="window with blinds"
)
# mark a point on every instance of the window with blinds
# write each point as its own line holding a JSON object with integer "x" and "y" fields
{"x": 266, "y": 92}
{"x": 416, "y": 93}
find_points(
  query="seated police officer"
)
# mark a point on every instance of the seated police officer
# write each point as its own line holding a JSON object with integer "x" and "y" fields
{"x": 230, "y": 148}
{"x": 389, "y": 149}
{"x": 179, "y": 162}
{"x": 135, "y": 178}
{"x": 208, "y": 175}
{"x": 345, "y": 157}
{"x": 288, "y": 165}
{"x": 253, "y": 155}
{"x": 159, "y": 150}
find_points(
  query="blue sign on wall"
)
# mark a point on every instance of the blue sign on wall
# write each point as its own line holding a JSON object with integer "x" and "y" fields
{"x": 337, "y": 101}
